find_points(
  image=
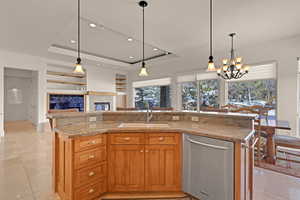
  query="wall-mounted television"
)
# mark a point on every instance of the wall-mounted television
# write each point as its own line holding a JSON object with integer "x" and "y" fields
{"x": 66, "y": 101}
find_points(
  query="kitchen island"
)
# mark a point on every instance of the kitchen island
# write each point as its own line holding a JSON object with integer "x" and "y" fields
{"x": 205, "y": 155}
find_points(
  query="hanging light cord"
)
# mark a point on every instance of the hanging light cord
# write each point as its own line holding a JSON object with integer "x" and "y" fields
{"x": 211, "y": 28}
{"x": 78, "y": 26}
{"x": 143, "y": 35}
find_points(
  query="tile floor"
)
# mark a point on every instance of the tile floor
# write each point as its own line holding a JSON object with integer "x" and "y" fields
{"x": 25, "y": 169}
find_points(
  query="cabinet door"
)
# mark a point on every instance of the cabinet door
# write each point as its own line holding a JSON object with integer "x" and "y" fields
{"x": 126, "y": 168}
{"x": 163, "y": 168}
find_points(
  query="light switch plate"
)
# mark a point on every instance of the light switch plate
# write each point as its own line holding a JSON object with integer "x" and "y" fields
{"x": 93, "y": 119}
{"x": 175, "y": 118}
{"x": 195, "y": 119}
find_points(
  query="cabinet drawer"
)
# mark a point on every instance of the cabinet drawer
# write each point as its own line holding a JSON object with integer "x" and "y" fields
{"x": 91, "y": 191}
{"x": 162, "y": 138}
{"x": 90, "y": 174}
{"x": 90, "y": 157}
{"x": 134, "y": 138}
{"x": 88, "y": 142}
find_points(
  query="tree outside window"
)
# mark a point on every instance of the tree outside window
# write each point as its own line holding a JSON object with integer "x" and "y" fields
{"x": 257, "y": 92}
{"x": 209, "y": 93}
{"x": 189, "y": 96}
{"x": 155, "y": 96}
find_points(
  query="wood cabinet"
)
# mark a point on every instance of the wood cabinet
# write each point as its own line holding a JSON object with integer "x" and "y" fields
{"x": 147, "y": 162}
{"x": 126, "y": 168}
{"x": 162, "y": 168}
{"x": 80, "y": 167}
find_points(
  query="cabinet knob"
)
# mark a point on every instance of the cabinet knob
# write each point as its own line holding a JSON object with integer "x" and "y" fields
{"x": 91, "y": 173}
{"x": 127, "y": 138}
{"x": 92, "y": 156}
{"x": 147, "y": 151}
{"x": 141, "y": 151}
{"x": 93, "y": 142}
{"x": 91, "y": 190}
{"x": 161, "y": 138}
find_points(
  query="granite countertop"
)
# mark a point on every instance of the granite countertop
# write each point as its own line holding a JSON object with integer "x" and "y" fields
{"x": 218, "y": 131}
{"x": 79, "y": 114}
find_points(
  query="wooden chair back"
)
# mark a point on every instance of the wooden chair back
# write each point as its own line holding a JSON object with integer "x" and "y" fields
{"x": 162, "y": 109}
{"x": 259, "y": 110}
{"x": 212, "y": 109}
{"x": 63, "y": 110}
{"x": 126, "y": 109}
{"x": 230, "y": 107}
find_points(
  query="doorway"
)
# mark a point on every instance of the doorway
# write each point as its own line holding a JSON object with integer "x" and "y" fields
{"x": 20, "y": 97}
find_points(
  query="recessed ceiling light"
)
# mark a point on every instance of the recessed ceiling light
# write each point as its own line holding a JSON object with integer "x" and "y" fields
{"x": 155, "y": 49}
{"x": 131, "y": 57}
{"x": 73, "y": 41}
{"x": 130, "y": 39}
{"x": 92, "y": 25}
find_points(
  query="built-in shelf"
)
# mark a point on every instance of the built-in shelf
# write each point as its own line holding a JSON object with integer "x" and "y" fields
{"x": 67, "y": 82}
{"x": 121, "y": 82}
{"x": 66, "y": 74}
{"x": 101, "y": 93}
{"x": 121, "y": 79}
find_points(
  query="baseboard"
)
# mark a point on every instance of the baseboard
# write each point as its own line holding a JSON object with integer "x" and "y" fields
{"x": 142, "y": 195}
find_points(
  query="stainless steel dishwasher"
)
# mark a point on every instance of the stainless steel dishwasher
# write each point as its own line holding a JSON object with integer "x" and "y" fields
{"x": 208, "y": 168}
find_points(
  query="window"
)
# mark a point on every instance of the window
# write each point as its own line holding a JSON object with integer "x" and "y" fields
{"x": 189, "y": 96}
{"x": 61, "y": 101}
{"x": 254, "y": 92}
{"x": 156, "y": 96}
{"x": 209, "y": 93}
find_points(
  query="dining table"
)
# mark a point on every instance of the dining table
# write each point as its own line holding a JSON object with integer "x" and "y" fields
{"x": 269, "y": 126}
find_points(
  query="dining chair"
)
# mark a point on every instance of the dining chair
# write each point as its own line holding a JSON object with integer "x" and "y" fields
{"x": 290, "y": 144}
{"x": 260, "y": 149}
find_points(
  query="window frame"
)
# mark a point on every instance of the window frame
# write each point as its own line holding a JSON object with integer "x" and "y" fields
{"x": 276, "y": 83}
{"x": 134, "y": 93}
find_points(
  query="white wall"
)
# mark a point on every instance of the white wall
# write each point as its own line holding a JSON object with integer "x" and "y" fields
{"x": 27, "y": 62}
{"x": 99, "y": 78}
{"x": 1, "y": 100}
{"x": 283, "y": 52}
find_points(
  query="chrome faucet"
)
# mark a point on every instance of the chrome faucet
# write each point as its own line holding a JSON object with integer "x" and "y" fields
{"x": 149, "y": 114}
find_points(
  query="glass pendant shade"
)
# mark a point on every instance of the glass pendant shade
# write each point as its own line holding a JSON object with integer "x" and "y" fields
{"x": 78, "y": 69}
{"x": 143, "y": 71}
{"x": 211, "y": 66}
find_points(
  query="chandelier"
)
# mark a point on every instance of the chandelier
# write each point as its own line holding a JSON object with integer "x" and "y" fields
{"x": 232, "y": 68}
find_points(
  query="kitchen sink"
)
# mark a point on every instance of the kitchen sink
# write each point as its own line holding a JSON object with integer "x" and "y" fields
{"x": 143, "y": 125}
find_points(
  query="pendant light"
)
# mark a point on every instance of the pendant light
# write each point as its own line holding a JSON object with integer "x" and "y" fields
{"x": 211, "y": 65}
{"x": 143, "y": 71}
{"x": 78, "y": 67}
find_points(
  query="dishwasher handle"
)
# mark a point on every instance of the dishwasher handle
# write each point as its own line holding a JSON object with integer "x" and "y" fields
{"x": 207, "y": 145}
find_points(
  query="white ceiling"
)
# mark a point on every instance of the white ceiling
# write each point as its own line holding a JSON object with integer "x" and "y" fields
{"x": 178, "y": 26}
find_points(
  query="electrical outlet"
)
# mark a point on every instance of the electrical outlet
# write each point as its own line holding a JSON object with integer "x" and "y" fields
{"x": 92, "y": 125}
{"x": 195, "y": 119}
{"x": 93, "y": 119}
{"x": 175, "y": 118}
